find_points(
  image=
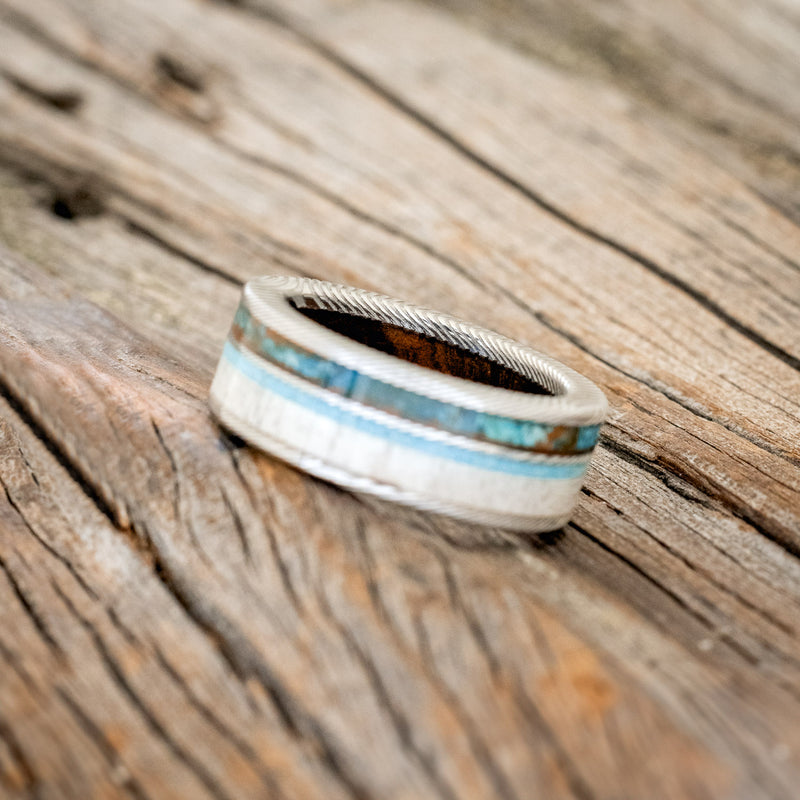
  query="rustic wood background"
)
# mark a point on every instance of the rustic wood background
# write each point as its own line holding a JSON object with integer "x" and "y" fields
{"x": 616, "y": 183}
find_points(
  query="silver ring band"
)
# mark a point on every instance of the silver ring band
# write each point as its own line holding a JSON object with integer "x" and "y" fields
{"x": 415, "y": 406}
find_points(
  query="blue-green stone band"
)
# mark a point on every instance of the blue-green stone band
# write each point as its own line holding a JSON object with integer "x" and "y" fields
{"x": 522, "y": 434}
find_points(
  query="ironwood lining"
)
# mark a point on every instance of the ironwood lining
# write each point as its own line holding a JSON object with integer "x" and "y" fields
{"x": 423, "y": 349}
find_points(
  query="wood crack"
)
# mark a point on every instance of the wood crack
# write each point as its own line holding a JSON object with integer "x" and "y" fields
{"x": 16, "y": 665}
{"x": 140, "y": 230}
{"x": 727, "y": 259}
{"x": 578, "y": 786}
{"x": 757, "y": 241}
{"x": 120, "y": 773}
{"x": 457, "y": 601}
{"x": 676, "y": 598}
{"x": 63, "y": 188}
{"x": 239, "y": 743}
{"x": 762, "y": 613}
{"x": 275, "y": 550}
{"x": 181, "y": 521}
{"x": 176, "y": 486}
{"x": 358, "y": 213}
{"x": 47, "y": 546}
{"x": 65, "y": 100}
{"x": 400, "y": 724}
{"x": 765, "y": 615}
{"x": 368, "y": 562}
{"x": 55, "y": 449}
{"x": 238, "y": 525}
{"x": 751, "y": 516}
{"x": 32, "y": 786}
{"x": 244, "y": 662}
{"x": 116, "y": 674}
{"x": 29, "y": 608}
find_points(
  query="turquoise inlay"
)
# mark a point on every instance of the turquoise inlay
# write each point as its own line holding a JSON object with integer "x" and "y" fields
{"x": 376, "y": 393}
{"x": 488, "y": 461}
{"x": 587, "y": 437}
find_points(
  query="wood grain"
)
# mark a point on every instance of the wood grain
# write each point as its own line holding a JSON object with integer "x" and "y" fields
{"x": 183, "y": 616}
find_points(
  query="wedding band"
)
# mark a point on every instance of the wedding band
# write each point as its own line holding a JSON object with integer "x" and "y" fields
{"x": 381, "y": 396}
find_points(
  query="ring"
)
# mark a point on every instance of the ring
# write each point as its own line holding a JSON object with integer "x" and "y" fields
{"x": 381, "y": 396}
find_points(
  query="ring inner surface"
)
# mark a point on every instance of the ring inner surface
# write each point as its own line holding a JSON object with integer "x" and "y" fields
{"x": 424, "y": 349}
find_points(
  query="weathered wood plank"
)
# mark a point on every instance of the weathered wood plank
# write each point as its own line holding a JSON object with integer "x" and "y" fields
{"x": 98, "y": 695}
{"x": 307, "y": 618}
{"x": 651, "y": 603}
{"x": 719, "y": 76}
{"x": 693, "y": 349}
{"x": 669, "y": 363}
{"x": 363, "y": 650}
{"x": 652, "y": 176}
{"x": 580, "y": 154}
{"x": 214, "y": 303}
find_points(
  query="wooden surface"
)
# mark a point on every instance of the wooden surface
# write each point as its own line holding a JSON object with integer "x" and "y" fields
{"x": 617, "y": 184}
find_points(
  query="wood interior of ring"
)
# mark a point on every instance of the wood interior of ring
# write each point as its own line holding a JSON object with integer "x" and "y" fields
{"x": 424, "y": 350}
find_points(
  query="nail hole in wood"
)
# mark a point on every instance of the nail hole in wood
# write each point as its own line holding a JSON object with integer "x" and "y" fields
{"x": 180, "y": 72}
{"x": 81, "y": 200}
{"x": 66, "y": 100}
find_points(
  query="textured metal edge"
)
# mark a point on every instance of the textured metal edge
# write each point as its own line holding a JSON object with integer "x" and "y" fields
{"x": 582, "y": 402}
